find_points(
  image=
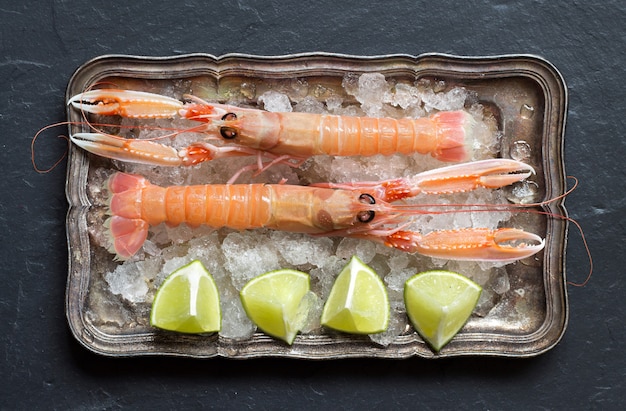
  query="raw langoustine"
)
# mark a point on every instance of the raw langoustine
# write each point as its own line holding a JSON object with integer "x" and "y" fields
{"x": 287, "y": 138}
{"x": 361, "y": 210}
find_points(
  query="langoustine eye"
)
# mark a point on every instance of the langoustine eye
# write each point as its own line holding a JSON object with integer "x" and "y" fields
{"x": 366, "y": 216}
{"x": 228, "y": 132}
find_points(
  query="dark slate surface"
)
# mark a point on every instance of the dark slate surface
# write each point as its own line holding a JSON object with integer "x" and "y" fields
{"x": 42, "y": 43}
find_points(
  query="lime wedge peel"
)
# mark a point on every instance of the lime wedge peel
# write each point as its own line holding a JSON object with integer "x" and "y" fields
{"x": 358, "y": 301}
{"x": 439, "y": 303}
{"x": 187, "y": 301}
{"x": 278, "y": 302}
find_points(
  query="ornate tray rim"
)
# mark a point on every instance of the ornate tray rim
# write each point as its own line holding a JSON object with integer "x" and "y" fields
{"x": 543, "y": 73}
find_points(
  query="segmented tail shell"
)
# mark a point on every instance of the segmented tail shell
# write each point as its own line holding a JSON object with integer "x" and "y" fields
{"x": 127, "y": 234}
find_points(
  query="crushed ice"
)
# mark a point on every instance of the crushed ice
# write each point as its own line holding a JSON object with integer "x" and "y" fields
{"x": 235, "y": 257}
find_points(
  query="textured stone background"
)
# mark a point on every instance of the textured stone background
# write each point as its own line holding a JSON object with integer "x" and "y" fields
{"x": 42, "y": 43}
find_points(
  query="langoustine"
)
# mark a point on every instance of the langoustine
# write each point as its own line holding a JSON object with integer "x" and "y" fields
{"x": 286, "y": 138}
{"x": 359, "y": 210}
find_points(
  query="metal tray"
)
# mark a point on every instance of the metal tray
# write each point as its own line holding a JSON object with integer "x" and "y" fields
{"x": 529, "y": 99}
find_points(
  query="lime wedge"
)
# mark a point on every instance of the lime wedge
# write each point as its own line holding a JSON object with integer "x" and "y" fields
{"x": 275, "y": 302}
{"x": 439, "y": 303}
{"x": 187, "y": 302}
{"x": 358, "y": 301}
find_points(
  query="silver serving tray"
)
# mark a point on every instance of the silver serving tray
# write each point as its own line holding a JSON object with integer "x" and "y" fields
{"x": 529, "y": 98}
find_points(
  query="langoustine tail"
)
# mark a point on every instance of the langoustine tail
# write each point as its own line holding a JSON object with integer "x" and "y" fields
{"x": 127, "y": 235}
{"x": 455, "y": 134}
{"x": 127, "y": 231}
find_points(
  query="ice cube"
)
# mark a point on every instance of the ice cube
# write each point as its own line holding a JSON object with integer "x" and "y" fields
{"x": 333, "y": 104}
{"x": 323, "y": 276}
{"x": 310, "y": 105}
{"x": 397, "y": 326}
{"x": 500, "y": 284}
{"x": 350, "y": 83}
{"x": 396, "y": 278}
{"x": 298, "y": 88}
{"x": 454, "y": 99}
{"x": 170, "y": 265}
{"x": 275, "y": 102}
{"x": 348, "y": 247}
{"x": 235, "y": 323}
{"x": 299, "y": 249}
{"x": 311, "y": 305}
{"x": 405, "y": 96}
{"x": 249, "y": 254}
{"x": 128, "y": 281}
{"x": 486, "y": 302}
{"x": 398, "y": 262}
{"x": 372, "y": 91}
